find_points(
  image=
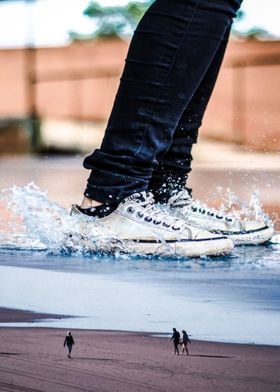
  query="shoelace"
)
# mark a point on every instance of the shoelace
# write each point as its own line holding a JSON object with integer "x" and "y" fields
{"x": 150, "y": 212}
{"x": 185, "y": 201}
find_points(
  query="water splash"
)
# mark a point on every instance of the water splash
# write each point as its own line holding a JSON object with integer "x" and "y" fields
{"x": 32, "y": 221}
{"x": 275, "y": 240}
{"x": 252, "y": 210}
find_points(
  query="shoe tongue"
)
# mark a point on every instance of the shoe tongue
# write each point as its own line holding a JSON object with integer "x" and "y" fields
{"x": 185, "y": 196}
{"x": 137, "y": 197}
{"x": 187, "y": 192}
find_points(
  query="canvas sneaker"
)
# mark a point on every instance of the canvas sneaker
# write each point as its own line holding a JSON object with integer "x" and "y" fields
{"x": 247, "y": 232}
{"x": 148, "y": 229}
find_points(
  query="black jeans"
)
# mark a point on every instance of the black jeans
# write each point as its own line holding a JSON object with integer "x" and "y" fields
{"x": 170, "y": 71}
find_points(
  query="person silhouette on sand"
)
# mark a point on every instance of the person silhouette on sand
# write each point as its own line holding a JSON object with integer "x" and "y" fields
{"x": 69, "y": 342}
{"x": 185, "y": 342}
{"x": 176, "y": 340}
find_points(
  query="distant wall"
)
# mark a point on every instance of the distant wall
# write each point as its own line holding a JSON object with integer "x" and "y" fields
{"x": 12, "y": 83}
{"x": 245, "y": 105}
{"x": 79, "y": 82}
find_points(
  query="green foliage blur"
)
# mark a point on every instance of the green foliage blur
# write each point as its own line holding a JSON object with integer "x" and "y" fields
{"x": 113, "y": 21}
{"x": 121, "y": 21}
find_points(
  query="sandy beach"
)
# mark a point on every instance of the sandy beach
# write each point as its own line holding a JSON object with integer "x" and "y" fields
{"x": 33, "y": 359}
{"x": 240, "y": 293}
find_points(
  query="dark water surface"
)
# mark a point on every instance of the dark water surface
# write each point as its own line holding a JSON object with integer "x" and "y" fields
{"x": 234, "y": 298}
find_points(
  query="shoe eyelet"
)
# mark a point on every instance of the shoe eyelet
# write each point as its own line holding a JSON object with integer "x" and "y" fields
{"x": 148, "y": 219}
{"x": 194, "y": 209}
{"x": 175, "y": 228}
{"x": 166, "y": 225}
{"x": 155, "y": 222}
{"x": 219, "y": 217}
{"x": 131, "y": 210}
{"x": 140, "y": 214}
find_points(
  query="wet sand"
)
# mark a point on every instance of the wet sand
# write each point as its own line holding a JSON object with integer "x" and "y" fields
{"x": 16, "y": 316}
{"x": 33, "y": 359}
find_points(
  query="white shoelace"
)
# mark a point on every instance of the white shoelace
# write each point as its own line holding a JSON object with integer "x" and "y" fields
{"x": 183, "y": 200}
{"x": 150, "y": 212}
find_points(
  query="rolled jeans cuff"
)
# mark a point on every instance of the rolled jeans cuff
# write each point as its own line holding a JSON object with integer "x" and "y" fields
{"x": 119, "y": 186}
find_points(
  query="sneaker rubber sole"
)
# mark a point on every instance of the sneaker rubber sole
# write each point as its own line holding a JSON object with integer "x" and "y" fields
{"x": 254, "y": 237}
{"x": 181, "y": 248}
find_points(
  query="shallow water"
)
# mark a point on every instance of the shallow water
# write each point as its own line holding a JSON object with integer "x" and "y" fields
{"x": 51, "y": 263}
{"x": 234, "y": 298}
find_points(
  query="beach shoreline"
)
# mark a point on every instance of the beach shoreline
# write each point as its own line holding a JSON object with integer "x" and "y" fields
{"x": 10, "y": 315}
{"x": 34, "y": 359}
{"x": 15, "y": 316}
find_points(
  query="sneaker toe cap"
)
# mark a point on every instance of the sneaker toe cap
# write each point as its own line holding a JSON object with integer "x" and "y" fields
{"x": 253, "y": 225}
{"x": 204, "y": 234}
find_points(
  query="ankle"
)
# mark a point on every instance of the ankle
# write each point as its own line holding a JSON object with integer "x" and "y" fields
{"x": 89, "y": 203}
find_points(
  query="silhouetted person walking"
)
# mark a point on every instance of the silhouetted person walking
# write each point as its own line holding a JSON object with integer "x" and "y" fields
{"x": 69, "y": 342}
{"x": 185, "y": 342}
{"x": 176, "y": 340}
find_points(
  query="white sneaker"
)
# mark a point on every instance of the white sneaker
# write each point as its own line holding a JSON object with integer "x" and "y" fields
{"x": 150, "y": 230}
{"x": 247, "y": 232}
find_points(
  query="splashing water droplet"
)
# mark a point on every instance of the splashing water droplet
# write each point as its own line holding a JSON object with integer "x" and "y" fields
{"x": 275, "y": 239}
{"x": 241, "y": 210}
{"x": 35, "y": 222}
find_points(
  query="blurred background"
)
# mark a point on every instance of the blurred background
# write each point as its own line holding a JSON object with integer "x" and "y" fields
{"x": 61, "y": 61}
{"x": 60, "y": 66}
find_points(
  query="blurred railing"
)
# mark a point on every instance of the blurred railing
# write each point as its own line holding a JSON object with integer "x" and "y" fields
{"x": 240, "y": 68}
{"x": 79, "y": 82}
